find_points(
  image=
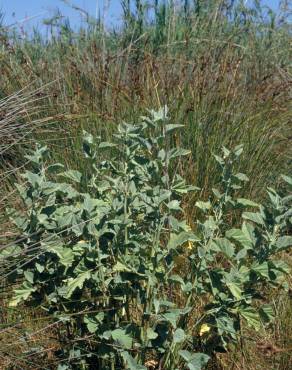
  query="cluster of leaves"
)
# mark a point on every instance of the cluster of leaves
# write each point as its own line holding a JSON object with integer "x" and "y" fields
{"x": 101, "y": 252}
{"x": 234, "y": 265}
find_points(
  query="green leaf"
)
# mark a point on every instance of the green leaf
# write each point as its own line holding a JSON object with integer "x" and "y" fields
{"x": 54, "y": 168}
{"x": 288, "y": 179}
{"x": 235, "y": 289}
{"x": 131, "y": 363}
{"x": 174, "y": 205}
{"x": 241, "y": 177}
{"x": 220, "y": 160}
{"x": 88, "y": 137}
{"x": 121, "y": 267}
{"x": 178, "y": 152}
{"x": 93, "y": 322}
{"x": 210, "y": 225}
{"x": 226, "y": 152}
{"x": 262, "y": 269}
{"x": 267, "y": 313}
{"x": 10, "y": 251}
{"x": 122, "y": 338}
{"x": 255, "y": 217}
{"x": 281, "y": 266}
{"x": 177, "y": 279}
{"x": 171, "y": 127}
{"x": 238, "y": 150}
{"x": 179, "y": 336}
{"x": 151, "y": 334}
{"x": 171, "y": 317}
{"x": 179, "y": 239}
{"x": 73, "y": 175}
{"x": 241, "y": 254}
{"x": 204, "y": 206}
{"x": 249, "y": 231}
{"x": 225, "y": 246}
{"x": 106, "y": 145}
{"x": 22, "y": 293}
{"x": 33, "y": 178}
{"x": 217, "y": 193}
{"x": 77, "y": 283}
{"x": 159, "y": 115}
{"x": 241, "y": 237}
{"x": 247, "y": 203}
{"x": 162, "y": 154}
{"x": 68, "y": 190}
{"x": 195, "y": 361}
{"x": 40, "y": 268}
{"x": 88, "y": 145}
{"x": 63, "y": 367}
{"x": 65, "y": 254}
{"x": 29, "y": 275}
{"x": 90, "y": 204}
{"x": 225, "y": 325}
{"x": 22, "y": 190}
{"x": 39, "y": 154}
{"x": 251, "y": 316}
{"x": 284, "y": 242}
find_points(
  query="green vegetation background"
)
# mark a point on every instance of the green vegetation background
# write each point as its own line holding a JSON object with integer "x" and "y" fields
{"x": 222, "y": 68}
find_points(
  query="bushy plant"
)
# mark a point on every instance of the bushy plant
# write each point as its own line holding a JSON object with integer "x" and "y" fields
{"x": 102, "y": 253}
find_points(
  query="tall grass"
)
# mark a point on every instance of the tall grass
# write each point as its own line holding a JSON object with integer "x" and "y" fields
{"x": 223, "y": 68}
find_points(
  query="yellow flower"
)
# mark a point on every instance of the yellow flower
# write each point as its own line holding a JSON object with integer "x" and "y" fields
{"x": 204, "y": 329}
{"x": 190, "y": 245}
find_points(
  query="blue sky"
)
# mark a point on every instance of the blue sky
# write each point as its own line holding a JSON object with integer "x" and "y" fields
{"x": 32, "y": 11}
